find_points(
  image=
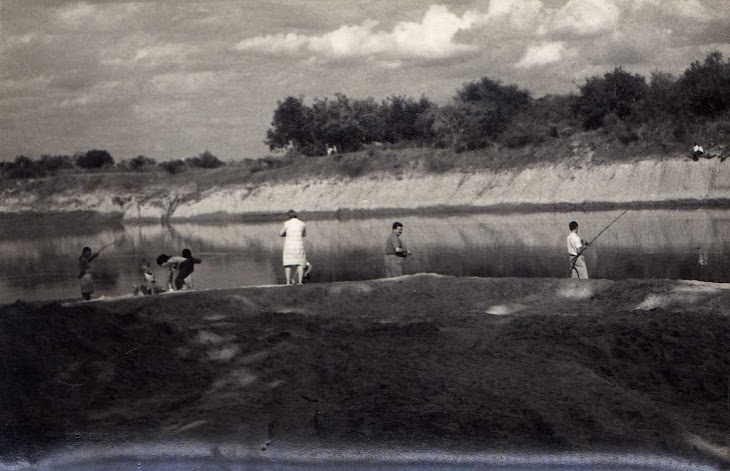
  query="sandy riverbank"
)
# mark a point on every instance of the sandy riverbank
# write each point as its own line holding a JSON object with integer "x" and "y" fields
{"x": 416, "y": 362}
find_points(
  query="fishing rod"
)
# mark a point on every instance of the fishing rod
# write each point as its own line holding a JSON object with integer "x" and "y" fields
{"x": 605, "y": 228}
{"x": 105, "y": 246}
{"x": 116, "y": 241}
{"x": 588, "y": 244}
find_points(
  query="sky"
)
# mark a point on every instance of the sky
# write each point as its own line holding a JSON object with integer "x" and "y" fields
{"x": 170, "y": 79}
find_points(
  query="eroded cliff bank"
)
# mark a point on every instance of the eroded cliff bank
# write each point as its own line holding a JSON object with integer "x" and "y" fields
{"x": 646, "y": 183}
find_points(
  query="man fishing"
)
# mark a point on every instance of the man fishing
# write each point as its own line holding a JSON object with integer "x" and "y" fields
{"x": 576, "y": 246}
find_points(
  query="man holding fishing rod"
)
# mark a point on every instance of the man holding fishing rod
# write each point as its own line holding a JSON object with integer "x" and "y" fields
{"x": 576, "y": 247}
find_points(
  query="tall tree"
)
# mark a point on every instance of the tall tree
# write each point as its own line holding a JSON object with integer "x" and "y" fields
{"x": 482, "y": 110}
{"x": 616, "y": 92}
{"x": 704, "y": 88}
{"x": 291, "y": 124}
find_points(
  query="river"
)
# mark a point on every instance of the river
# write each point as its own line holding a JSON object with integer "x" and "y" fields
{"x": 40, "y": 257}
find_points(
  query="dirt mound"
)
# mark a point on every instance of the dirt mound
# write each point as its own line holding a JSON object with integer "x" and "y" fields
{"x": 563, "y": 365}
{"x": 81, "y": 371}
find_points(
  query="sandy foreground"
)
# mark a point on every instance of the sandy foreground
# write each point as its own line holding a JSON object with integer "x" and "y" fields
{"x": 447, "y": 372}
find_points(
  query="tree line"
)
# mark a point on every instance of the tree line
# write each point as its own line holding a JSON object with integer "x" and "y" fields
{"x": 95, "y": 159}
{"x": 664, "y": 112}
{"x": 662, "y": 109}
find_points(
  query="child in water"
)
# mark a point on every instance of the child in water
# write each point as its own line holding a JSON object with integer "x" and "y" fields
{"x": 307, "y": 273}
{"x": 150, "y": 285}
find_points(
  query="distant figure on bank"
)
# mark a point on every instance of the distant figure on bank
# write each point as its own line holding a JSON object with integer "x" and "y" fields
{"x": 576, "y": 246}
{"x": 87, "y": 280}
{"x": 294, "y": 257}
{"x": 395, "y": 252}
{"x": 697, "y": 152}
{"x": 184, "y": 277}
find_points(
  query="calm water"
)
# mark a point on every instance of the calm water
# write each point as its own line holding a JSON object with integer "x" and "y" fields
{"x": 39, "y": 258}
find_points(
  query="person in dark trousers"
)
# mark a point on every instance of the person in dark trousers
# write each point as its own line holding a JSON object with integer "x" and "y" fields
{"x": 395, "y": 252}
{"x": 697, "y": 152}
{"x": 185, "y": 270}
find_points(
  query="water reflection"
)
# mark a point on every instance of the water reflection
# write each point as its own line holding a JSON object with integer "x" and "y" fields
{"x": 41, "y": 262}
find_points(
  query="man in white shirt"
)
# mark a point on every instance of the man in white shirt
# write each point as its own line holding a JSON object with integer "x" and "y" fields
{"x": 576, "y": 246}
{"x": 697, "y": 151}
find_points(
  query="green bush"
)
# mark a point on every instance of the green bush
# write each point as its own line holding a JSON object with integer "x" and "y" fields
{"x": 204, "y": 160}
{"x": 23, "y": 167}
{"x": 141, "y": 162}
{"x": 174, "y": 166}
{"x": 435, "y": 163}
{"x": 94, "y": 159}
{"x": 352, "y": 166}
{"x": 516, "y": 138}
{"x": 56, "y": 162}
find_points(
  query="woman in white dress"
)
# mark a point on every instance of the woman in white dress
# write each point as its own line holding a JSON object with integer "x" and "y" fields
{"x": 294, "y": 257}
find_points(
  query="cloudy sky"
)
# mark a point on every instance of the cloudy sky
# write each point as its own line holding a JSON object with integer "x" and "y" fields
{"x": 171, "y": 78}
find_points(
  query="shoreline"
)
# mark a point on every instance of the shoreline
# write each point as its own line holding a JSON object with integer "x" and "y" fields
{"x": 117, "y": 218}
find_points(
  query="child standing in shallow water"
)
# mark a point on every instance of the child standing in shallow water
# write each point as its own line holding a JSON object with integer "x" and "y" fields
{"x": 150, "y": 286}
{"x": 87, "y": 280}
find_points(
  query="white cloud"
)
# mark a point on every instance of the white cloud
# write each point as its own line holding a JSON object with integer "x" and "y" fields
{"x": 690, "y": 9}
{"x": 545, "y": 53}
{"x": 521, "y": 14}
{"x": 586, "y": 17}
{"x": 432, "y": 38}
{"x": 144, "y": 50}
{"x": 189, "y": 82}
{"x": 274, "y": 43}
{"x": 84, "y": 15}
{"x": 21, "y": 39}
{"x": 100, "y": 93}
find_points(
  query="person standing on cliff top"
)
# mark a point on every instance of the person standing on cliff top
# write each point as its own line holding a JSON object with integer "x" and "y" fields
{"x": 576, "y": 246}
{"x": 294, "y": 256}
{"x": 395, "y": 252}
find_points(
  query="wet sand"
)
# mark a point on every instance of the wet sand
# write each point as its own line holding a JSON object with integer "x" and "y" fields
{"x": 420, "y": 363}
